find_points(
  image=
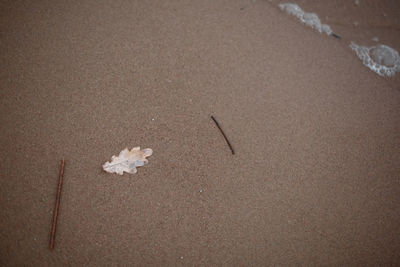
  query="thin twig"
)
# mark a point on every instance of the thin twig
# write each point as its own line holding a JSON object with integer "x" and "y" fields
{"x": 226, "y": 138}
{"x": 57, "y": 206}
{"x": 336, "y": 35}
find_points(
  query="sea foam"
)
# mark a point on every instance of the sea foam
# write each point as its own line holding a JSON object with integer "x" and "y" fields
{"x": 310, "y": 19}
{"x": 382, "y": 59}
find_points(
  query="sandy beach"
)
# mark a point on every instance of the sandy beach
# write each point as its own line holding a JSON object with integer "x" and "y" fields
{"x": 315, "y": 179}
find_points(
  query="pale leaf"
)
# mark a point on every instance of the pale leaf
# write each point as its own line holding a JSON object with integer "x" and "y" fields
{"x": 127, "y": 161}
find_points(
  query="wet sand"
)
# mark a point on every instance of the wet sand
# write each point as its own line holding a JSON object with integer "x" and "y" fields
{"x": 315, "y": 176}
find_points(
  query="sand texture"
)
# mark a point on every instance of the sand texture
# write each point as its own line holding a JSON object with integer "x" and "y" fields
{"x": 315, "y": 175}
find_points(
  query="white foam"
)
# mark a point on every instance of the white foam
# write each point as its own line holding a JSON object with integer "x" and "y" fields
{"x": 382, "y": 59}
{"x": 310, "y": 19}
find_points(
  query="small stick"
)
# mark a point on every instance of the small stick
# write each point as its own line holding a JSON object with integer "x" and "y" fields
{"x": 226, "y": 138}
{"x": 336, "y": 35}
{"x": 57, "y": 206}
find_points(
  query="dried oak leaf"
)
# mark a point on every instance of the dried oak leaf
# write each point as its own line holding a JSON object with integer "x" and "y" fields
{"x": 127, "y": 161}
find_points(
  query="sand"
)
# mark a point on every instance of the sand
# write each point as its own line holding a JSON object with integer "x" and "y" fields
{"x": 315, "y": 177}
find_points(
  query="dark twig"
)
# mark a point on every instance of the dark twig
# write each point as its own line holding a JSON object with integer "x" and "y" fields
{"x": 336, "y": 35}
{"x": 226, "y": 138}
{"x": 57, "y": 206}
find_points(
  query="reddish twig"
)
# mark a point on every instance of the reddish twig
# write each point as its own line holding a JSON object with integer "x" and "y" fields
{"x": 57, "y": 206}
{"x": 226, "y": 138}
